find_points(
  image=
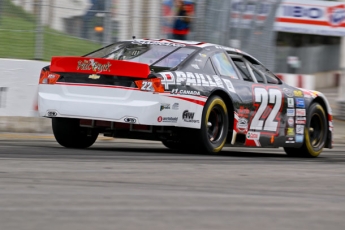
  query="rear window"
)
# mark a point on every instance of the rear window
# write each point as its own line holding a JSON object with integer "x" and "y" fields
{"x": 156, "y": 55}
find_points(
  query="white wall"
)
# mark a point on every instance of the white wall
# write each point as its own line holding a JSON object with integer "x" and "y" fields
{"x": 55, "y": 11}
{"x": 128, "y": 13}
{"x": 19, "y": 81}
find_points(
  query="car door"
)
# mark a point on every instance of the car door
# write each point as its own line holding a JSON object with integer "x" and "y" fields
{"x": 262, "y": 106}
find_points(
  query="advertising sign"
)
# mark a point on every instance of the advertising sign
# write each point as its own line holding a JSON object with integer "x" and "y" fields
{"x": 311, "y": 17}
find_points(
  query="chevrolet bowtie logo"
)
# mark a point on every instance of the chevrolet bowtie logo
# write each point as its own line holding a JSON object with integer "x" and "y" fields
{"x": 94, "y": 76}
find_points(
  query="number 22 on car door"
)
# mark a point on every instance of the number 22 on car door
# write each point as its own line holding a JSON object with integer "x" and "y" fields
{"x": 268, "y": 103}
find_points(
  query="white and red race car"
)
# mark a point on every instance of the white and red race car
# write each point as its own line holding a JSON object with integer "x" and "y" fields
{"x": 189, "y": 95}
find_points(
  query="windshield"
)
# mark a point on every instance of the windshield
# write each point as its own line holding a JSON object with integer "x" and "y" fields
{"x": 156, "y": 55}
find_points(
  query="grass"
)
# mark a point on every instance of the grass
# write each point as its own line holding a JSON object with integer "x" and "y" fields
{"x": 18, "y": 35}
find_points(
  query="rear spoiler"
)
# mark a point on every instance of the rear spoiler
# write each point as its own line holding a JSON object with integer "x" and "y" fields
{"x": 99, "y": 66}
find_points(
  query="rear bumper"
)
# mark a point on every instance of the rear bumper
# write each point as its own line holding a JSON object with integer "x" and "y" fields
{"x": 118, "y": 104}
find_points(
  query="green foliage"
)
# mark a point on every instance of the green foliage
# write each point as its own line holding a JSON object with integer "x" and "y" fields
{"x": 18, "y": 37}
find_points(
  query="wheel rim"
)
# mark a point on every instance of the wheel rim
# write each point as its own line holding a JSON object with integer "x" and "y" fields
{"x": 215, "y": 124}
{"x": 316, "y": 130}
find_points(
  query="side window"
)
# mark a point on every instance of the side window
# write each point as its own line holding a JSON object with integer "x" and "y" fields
{"x": 209, "y": 68}
{"x": 241, "y": 66}
{"x": 271, "y": 78}
{"x": 224, "y": 66}
{"x": 258, "y": 76}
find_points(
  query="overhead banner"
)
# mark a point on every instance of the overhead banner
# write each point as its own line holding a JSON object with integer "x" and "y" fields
{"x": 311, "y": 17}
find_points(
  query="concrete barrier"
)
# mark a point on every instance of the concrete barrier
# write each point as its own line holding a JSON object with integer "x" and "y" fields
{"x": 316, "y": 81}
{"x": 18, "y": 96}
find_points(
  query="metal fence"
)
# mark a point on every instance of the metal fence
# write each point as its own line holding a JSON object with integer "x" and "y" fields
{"x": 39, "y": 29}
{"x": 244, "y": 24}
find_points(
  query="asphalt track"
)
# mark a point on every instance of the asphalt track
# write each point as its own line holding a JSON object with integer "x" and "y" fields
{"x": 142, "y": 185}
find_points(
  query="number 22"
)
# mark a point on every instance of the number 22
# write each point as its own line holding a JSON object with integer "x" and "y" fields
{"x": 265, "y": 97}
{"x": 147, "y": 86}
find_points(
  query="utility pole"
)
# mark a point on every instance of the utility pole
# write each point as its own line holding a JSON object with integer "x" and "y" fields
{"x": 107, "y": 22}
{"x": 39, "y": 30}
{"x": 341, "y": 90}
{"x": 1, "y": 10}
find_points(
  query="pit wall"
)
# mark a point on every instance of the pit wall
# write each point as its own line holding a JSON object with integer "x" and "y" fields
{"x": 18, "y": 93}
{"x": 316, "y": 81}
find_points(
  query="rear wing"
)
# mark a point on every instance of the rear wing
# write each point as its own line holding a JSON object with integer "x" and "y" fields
{"x": 99, "y": 66}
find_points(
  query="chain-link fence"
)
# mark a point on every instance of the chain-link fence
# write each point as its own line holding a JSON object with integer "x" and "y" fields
{"x": 244, "y": 24}
{"x": 39, "y": 29}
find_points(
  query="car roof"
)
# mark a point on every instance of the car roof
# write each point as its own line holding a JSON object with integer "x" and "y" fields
{"x": 177, "y": 43}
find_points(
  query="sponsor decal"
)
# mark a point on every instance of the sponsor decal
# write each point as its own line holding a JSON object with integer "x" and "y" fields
{"x": 291, "y": 103}
{"x": 243, "y": 112}
{"x": 175, "y": 106}
{"x": 290, "y": 132}
{"x": 299, "y": 138}
{"x": 185, "y": 92}
{"x": 298, "y": 93}
{"x": 94, "y": 76}
{"x": 288, "y": 92}
{"x": 202, "y": 55}
{"x": 290, "y": 140}
{"x": 336, "y": 15}
{"x": 195, "y": 66}
{"x": 300, "y": 112}
{"x": 93, "y": 65}
{"x": 51, "y": 114}
{"x": 167, "y": 79}
{"x": 194, "y": 79}
{"x": 130, "y": 120}
{"x": 189, "y": 117}
{"x": 290, "y": 112}
{"x": 167, "y": 119}
{"x": 229, "y": 85}
{"x": 301, "y": 11}
{"x": 314, "y": 93}
{"x": 159, "y": 43}
{"x": 242, "y": 125}
{"x": 299, "y": 129}
{"x": 300, "y": 103}
{"x": 301, "y": 120}
{"x": 164, "y": 106}
{"x": 291, "y": 121}
{"x": 253, "y": 136}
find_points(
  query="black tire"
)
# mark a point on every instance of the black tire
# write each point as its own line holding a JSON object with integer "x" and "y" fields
{"x": 212, "y": 136}
{"x": 315, "y": 134}
{"x": 69, "y": 134}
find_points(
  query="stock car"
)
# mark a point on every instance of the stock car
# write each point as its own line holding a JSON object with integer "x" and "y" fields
{"x": 191, "y": 96}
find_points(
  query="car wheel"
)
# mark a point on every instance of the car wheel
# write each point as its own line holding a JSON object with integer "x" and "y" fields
{"x": 214, "y": 126}
{"x": 315, "y": 134}
{"x": 69, "y": 134}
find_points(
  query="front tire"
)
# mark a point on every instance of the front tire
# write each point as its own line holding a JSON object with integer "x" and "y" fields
{"x": 69, "y": 134}
{"x": 214, "y": 126}
{"x": 315, "y": 134}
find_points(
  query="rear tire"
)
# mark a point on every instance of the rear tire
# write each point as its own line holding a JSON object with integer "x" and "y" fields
{"x": 69, "y": 134}
{"x": 315, "y": 134}
{"x": 214, "y": 126}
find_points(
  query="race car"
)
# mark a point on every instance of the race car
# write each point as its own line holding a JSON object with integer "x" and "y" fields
{"x": 191, "y": 96}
